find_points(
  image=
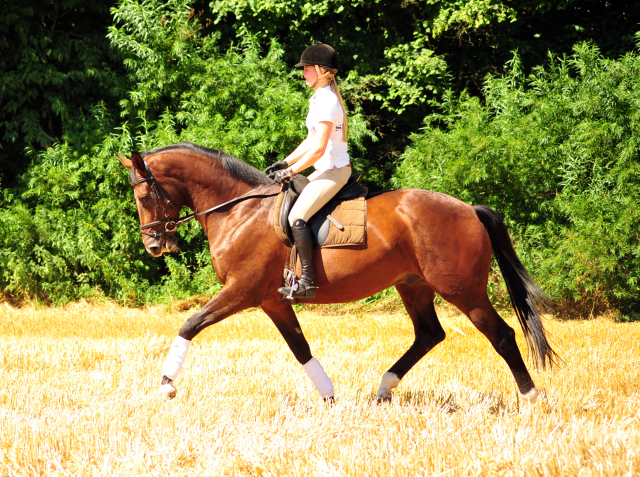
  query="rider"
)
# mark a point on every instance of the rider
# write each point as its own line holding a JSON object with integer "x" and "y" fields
{"x": 326, "y": 148}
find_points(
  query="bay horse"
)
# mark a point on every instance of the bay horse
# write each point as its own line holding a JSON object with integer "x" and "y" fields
{"x": 422, "y": 242}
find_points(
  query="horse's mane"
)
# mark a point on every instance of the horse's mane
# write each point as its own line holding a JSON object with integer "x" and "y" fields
{"x": 232, "y": 165}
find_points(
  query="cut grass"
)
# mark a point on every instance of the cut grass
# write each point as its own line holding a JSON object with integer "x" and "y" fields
{"x": 79, "y": 398}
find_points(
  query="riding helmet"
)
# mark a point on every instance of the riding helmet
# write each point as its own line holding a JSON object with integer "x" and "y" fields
{"x": 319, "y": 54}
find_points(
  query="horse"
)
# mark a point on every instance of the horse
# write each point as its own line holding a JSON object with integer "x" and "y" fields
{"x": 422, "y": 242}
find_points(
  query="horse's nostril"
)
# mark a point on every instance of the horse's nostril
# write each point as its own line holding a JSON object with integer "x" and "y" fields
{"x": 155, "y": 249}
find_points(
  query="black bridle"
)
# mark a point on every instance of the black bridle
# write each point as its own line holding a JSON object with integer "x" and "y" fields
{"x": 161, "y": 199}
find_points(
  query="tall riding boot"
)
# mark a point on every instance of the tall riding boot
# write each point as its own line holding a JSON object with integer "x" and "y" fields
{"x": 305, "y": 287}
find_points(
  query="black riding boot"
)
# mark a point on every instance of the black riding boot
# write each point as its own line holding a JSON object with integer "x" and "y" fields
{"x": 305, "y": 287}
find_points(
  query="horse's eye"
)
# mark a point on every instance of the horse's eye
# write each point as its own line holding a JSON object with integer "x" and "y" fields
{"x": 145, "y": 199}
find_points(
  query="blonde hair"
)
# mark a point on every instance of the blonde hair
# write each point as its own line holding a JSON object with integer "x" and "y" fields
{"x": 330, "y": 74}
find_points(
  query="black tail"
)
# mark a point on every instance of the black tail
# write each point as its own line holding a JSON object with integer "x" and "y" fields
{"x": 524, "y": 293}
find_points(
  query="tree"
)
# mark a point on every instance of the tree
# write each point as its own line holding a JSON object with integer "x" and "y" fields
{"x": 397, "y": 57}
{"x": 55, "y": 63}
{"x": 557, "y": 153}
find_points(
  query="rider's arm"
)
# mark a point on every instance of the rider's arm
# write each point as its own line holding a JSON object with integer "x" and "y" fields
{"x": 317, "y": 144}
{"x": 300, "y": 151}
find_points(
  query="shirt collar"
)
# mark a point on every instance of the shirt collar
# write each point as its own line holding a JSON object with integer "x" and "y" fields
{"x": 316, "y": 92}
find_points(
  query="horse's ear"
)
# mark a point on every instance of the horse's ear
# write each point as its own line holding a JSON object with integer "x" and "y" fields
{"x": 138, "y": 163}
{"x": 125, "y": 162}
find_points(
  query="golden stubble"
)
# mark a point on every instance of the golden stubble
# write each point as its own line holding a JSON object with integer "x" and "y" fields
{"x": 79, "y": 383}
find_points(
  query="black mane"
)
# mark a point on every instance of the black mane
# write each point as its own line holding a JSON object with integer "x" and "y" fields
{"x": 232, "y": 165}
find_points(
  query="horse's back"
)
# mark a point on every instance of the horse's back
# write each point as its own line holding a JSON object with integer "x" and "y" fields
{"x": 411, "y": 234}
{"x": 442, "y": 234}
{"x": 425, "y": 211}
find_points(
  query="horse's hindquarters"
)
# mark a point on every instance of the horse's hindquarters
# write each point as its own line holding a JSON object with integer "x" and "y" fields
{"x": 411, "y": 235}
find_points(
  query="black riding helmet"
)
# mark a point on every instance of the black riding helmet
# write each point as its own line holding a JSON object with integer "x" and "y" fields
{"x": 319, "y": 54}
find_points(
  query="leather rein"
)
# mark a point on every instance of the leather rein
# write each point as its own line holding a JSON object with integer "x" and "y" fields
{"x": 161, "y": 199}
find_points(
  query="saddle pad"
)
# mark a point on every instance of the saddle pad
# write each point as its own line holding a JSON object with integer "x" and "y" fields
{"x": 351, "y": 214}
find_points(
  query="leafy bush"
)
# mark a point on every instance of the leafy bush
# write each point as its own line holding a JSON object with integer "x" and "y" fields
{"x": 557, "y": 154}
{"x": 71, "y": 230}
{"x": 55, "y": 64}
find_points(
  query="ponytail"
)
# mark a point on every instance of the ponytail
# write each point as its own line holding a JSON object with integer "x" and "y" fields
{"x": 330, "y": 74}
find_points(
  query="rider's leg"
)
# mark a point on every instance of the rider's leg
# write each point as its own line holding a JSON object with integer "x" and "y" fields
{"x": 305, "y": 287}
{"x": 322, "y": 188}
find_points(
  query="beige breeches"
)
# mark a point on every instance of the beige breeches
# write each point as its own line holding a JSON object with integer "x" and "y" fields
{"x": 323, "y": 186}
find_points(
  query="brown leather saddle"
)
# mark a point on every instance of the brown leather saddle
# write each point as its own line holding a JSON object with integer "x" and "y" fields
{"x": 321, "y": 221}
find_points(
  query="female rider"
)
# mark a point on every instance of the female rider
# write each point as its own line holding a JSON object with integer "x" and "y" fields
{"x": 326, "y": 148}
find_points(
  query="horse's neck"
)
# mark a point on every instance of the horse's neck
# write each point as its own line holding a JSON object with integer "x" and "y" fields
{"x": 206, "y": 196}
{"x": 206, "y": 186}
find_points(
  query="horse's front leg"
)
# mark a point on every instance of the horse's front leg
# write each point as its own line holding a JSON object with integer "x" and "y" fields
{"x": 229, "y": 301}
{"x": 287, "y": 323}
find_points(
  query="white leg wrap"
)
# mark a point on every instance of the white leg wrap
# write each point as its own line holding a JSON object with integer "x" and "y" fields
{"x": 319, "y": 378}
{"x": 177, "y": 355}
{"x": 389, "y": 381}
{"x": 531, "y": 396}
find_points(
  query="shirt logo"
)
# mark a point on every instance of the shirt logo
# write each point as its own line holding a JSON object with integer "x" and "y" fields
{"x": 339, "y": 127}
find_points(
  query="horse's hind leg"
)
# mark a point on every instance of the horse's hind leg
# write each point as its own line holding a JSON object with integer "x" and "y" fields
{"x": 502, "y": 338}
{"x": 418, "y": 300}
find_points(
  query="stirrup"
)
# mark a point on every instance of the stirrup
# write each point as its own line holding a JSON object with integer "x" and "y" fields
{"x": 298, "y": 290}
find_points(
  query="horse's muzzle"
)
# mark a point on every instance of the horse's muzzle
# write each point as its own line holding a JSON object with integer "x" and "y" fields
{"x": 170, "y": 244}
{"x": 158, "y": 246}
{"x": 154, "y": 247}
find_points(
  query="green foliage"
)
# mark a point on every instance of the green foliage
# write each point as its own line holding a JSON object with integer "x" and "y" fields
{"x": 557, "y": 154}
{"x": 240, "y": 101}
{"x": 399, "y": 56}
{"x": 554, "y": 151}
{"x": 54, "y": 62}
{"x": 72, "y": 229}
{"x": 74, "y": 233}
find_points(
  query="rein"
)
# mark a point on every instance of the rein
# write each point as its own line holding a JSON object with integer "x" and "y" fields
{"x": 160, "y": 197}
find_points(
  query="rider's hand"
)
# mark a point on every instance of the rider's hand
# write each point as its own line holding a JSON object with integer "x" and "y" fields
{"x": 283, "y": 176}
{"x": 276, "y": 167}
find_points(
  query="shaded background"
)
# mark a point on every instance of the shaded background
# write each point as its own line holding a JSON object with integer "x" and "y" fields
{"x": 527, "y": 106}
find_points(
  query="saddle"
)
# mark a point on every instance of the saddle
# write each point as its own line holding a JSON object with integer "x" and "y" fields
{"x": 342, "y": 221}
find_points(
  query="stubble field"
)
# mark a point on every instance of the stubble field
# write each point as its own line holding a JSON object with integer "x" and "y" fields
{"x": 78, "y": 397}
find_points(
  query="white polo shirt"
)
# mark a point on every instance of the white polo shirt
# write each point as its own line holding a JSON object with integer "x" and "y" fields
{"x": 325, "y": 106}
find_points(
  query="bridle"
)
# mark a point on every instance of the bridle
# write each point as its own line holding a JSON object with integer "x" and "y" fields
{"x": 161, "y": 199}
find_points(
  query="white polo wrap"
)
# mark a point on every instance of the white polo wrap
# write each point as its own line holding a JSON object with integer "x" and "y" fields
{"x": 319, "y": 378}
{"x": 175, "y": 360}
{"x": 389, "y": 381}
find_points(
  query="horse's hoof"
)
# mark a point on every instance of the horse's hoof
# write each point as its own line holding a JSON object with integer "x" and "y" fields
{"x": 167, "y": 392}
{"x": 532, "y": 396}
{"x": 386, "y": 397}
{"x": 389, "y": 381}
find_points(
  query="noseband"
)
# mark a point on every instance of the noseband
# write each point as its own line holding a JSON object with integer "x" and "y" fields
{"x": 161, "y": 199}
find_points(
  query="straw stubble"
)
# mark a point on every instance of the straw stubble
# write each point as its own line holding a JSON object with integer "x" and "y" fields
{"x": 79, "y": 384}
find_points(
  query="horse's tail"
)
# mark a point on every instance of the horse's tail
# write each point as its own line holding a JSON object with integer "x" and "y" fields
{"x": 524, "y": 293}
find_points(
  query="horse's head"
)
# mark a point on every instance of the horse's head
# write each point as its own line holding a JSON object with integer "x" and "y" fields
{"x": 158, "y": 213}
